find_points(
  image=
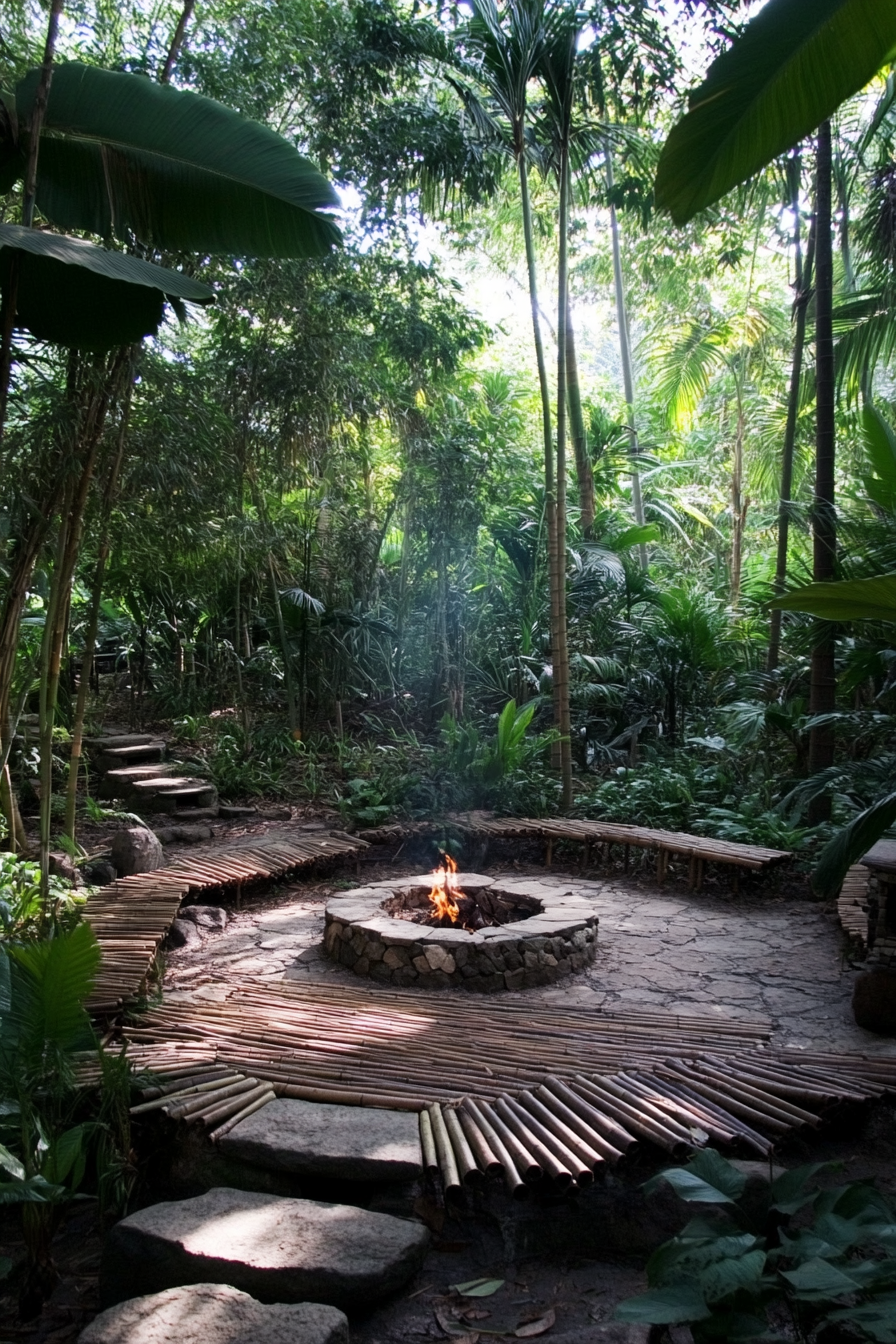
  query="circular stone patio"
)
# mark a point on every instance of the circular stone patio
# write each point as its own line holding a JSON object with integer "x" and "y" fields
{"x": 751, "y": 956}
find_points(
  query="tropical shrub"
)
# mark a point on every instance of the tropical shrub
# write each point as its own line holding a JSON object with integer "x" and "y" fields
{"x": 785, "y": 1265}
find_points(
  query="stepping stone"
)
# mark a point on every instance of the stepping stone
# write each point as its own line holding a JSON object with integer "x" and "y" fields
{"x": 279, "y": 1250}
{"x": 213, "y": 1313}
{"x": 349, "y": 1143}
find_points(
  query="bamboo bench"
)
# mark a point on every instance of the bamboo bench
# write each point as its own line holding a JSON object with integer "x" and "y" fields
{"x": 698, "y": 849}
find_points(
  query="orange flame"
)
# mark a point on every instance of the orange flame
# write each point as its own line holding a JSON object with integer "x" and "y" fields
{"x": 443, "y": 905}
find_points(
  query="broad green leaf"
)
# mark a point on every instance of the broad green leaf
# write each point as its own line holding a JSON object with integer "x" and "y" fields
{"x": 794, "y": 64}
{"x": 730, "y": 1275}
{"x": 664, "y": 1306}
{"x": 876, "y": 1319}
{"x": 11, "y": 1164}
{"x": 849, "y": 844}
{"x": 77, "y": 294}
{"x": 182, "y": 172}
{"x": 707, "y": 1179}
{"x": 51, "y": 980}
{"x": 789, "y": 1191}
{"x": 478, "y": 1287}
{"x": 845, "y": 600}
{"x": 880, "y": 445}
{"x": 636, "y": 536}
{"x": 817, "y": 1279}
{"x": 35, "y": 1190}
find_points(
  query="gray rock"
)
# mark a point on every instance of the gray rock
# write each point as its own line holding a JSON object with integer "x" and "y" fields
{"x": 209, "y": 917}
{"x": 213, "y": 1313}
{"x": 351, "y": 1143}
{"x": 874, "y": 1000}
{"x": 191, "y": 835}
{"x": 279, "y": 1250}
{"x": 184, "y": 933}
{"x": 135, "y": 850}
{"x": 99, "y": 874}
{"x": 62, "y": 865}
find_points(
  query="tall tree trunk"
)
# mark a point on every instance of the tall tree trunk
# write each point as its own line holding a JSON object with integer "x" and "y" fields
{"x": 288, "y": 672}
{"x": 584, "y": 474}
{"x": 625, "y": 354}
{"x": 823, "y": 686}
{"x": 547, "y": 434}
{"x": 738, "y": 505}
{"x": 561, "y": 656}
{"x": 177, "y": 41}
{"x": 96, "y": 597}
{"x": 803, "y": 291}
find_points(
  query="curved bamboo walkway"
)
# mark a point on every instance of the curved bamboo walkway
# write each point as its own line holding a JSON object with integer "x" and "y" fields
{"x": 131, "y": 917}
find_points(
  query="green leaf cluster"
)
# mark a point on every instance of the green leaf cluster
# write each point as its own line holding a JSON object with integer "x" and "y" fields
{"x": 739, "y": 1274}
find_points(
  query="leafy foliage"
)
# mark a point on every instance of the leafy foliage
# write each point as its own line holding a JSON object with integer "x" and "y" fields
{"x": 732, "y": 1276}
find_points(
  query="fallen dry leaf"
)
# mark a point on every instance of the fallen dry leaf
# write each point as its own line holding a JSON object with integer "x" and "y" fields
{"x": 539, "y": 1327}
{"x": 475, "y": 1314}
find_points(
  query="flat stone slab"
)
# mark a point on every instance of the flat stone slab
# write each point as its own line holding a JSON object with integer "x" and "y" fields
{"x": 350, "y": 1143}
{"x": 279, "y": 1250}
{"x": 213, "y": 1313}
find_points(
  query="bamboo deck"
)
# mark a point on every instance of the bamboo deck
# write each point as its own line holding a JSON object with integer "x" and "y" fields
{"x": 697, "y": 849}
{"x": 132, "y": 916}
{"x": 852, "y": 903}
{"x": 532, "y": 1091}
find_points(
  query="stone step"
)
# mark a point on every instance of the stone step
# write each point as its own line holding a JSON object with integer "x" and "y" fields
{"x": 118, "y": 783}
{"x": 163, "y": 783}
{"x": 139, "y": 753}
{"x": 347, "y": 1143}
{"x": 185, "y": 797}
{"x": 113, "y": 740}
{"x": 276, "y": 1249}
{"x": 213, "y": 1313}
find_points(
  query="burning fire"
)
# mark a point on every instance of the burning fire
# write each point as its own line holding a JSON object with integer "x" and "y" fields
{"x": 445, "y": 882}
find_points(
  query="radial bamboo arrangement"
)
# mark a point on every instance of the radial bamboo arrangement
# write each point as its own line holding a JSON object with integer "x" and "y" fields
{"x": 527, "y": 1093}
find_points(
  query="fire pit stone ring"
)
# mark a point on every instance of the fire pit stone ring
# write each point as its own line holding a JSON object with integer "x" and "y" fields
{"x": 540, "y": 932}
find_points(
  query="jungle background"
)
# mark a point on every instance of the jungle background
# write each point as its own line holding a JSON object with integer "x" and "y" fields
{"x": 317, "y": 539}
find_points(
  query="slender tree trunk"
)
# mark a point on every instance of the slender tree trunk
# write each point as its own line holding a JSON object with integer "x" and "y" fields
{"x": 625, "y": 353}
{"x": 93, "y": 619}
{"x": 561, "y": 657}
{"x": 550, "y": 487}
{"x": 823, "y": 685}
{"x": 803, "y": 287}
{"x": 584, "y": 474}
{"x": 177, "y": 41}
{"x": 738, "y": 506}
{"x": 287, "y": 655}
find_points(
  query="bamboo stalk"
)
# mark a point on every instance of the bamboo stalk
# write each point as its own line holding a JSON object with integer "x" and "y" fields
{"x": 240, "y": 1116}
{"x": 427, "y": 1143}
{"x": 514, "y": 1181}
{"x": 447, "y": 1164}
{"x": 463, "y": 1153}
{"x": 233, "y": 1104}
{"x": 522, "y": 1157}
{"x": 572, "y": 1121}
{"x": 567, "y": 1136}
{"x": 560, "y": 1173}
{"x": 487, "y": 1159}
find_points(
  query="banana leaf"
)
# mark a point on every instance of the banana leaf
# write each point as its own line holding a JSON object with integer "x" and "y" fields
{"x": 120, "y": 154}
{"x": 846, "y": 600}
{"x": 77, "y": 294}
{"x": 794, "y": 64}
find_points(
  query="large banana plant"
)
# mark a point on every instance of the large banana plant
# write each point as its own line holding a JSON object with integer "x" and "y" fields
{"x": 122, "y": 157}
{"x": 794, "y": 64}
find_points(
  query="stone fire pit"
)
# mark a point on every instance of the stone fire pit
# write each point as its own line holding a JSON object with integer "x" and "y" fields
{"x": 539, "y": 931}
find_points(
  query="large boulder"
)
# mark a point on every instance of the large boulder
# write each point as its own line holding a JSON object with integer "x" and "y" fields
{"x": 211, "y": 918}
{"x": 136, "y": 850}
{"x": 874, "y": 1000}
{"x": 349, "y": 1143}
{"x": 184, "y": 933}
{"x": 279, "y": 1250}
{"x": 213, "y": 1313}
